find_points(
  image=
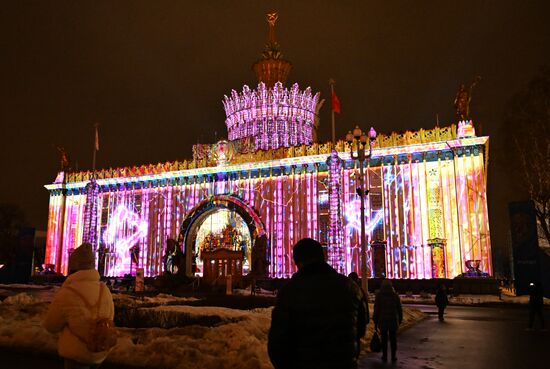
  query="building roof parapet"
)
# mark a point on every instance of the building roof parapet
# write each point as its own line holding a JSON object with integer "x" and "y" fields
{"x": 443, "y": 139}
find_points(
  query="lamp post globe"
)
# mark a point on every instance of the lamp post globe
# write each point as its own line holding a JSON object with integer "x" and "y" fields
{"x": 357, "y": 132}
{"x": 349, "y": 137}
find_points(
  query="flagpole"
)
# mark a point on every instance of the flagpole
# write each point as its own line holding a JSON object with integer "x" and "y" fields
{"x": 331, "y": 83}
{"x": 96, "y": 125}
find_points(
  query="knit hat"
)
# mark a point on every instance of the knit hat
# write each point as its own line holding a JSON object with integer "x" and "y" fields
{"x": 82, "y": 258}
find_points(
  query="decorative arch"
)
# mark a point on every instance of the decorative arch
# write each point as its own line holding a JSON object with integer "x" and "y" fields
{"x": 205, "y": 207}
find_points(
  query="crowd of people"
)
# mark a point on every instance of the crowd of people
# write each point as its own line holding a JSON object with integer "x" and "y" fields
{"x": 321, "y": 315}
{"x": 318, "y": 321}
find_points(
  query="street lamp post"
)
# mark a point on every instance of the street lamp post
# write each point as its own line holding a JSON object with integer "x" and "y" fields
{"x": 359, "y": 138}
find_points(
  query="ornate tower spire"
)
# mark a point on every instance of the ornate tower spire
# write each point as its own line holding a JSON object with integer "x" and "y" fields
{"x": 271, "y": 116}
{"x": 272, "y": 68}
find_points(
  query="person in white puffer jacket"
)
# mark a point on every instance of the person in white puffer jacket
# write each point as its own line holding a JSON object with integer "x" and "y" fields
{"x": 69, "y": 315}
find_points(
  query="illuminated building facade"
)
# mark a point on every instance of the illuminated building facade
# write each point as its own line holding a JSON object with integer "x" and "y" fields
{"x": 426, "y": 212}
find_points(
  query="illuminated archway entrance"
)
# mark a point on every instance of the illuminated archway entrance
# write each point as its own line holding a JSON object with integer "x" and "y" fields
{"x": 219, "y": 222}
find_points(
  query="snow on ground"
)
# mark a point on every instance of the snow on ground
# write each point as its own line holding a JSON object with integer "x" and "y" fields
{"x": 160, "y": 299}
{"x": 43, "y": 292}
{"x": 259, "y": 292}
{"x": 238, "y": 340}
{"x": 241, "y": 344}
{"x": 20, "y": 324}
{"x": 224, "y": 314}
{"x": 47, "y": 292}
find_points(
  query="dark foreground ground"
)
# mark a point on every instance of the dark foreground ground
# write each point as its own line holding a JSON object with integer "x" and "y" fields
{"x": 27, "y": 360}
{"x": 470, "y": 338}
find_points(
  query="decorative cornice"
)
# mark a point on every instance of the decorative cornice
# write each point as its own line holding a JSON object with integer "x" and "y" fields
{"x": 260, "y": 160}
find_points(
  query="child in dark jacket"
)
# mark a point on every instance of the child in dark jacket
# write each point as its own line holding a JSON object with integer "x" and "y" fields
{"x": 441, "y": 300}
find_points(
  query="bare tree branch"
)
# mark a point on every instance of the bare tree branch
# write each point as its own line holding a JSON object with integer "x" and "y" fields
{"x": 527, "y": 123}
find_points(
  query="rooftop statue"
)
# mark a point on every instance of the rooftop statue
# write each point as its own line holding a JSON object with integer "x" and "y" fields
{"x": 463, "y": 99}
{"x": 64, "y": 162}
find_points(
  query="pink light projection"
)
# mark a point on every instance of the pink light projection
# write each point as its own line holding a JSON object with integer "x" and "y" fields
{"x": 335, "y": 231}
{"x": 418, "y": 192}
{"x": 353, "y": 217}
{"x": 125, "y": 229}
{"x": 271, "y": 117}
{"x": 90, "y": 213}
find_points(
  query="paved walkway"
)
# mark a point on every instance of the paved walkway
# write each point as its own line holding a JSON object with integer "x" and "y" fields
{"x": 470, "y": 338}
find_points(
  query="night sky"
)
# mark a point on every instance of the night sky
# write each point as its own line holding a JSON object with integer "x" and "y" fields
{"x": 153, "y": 74}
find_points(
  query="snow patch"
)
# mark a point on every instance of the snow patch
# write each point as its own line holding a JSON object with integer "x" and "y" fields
{"x": 239, "y": 341}
{"x": 241, "y": 344}
{"x": 160, "y": 299}
{"x": 20, "y": 324}
{"x": 20, "y": 299}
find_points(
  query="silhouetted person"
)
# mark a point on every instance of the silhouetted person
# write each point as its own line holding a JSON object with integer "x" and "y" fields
{"x": 441, "y": 300}
{"x": 536, "y": 304}
{"x": 354, "y": 277}
{"x": 387, "y": 316}
{"x": 319, "y": 315}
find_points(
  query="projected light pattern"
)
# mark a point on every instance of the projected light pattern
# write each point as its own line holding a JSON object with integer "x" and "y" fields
{"x": 125, "y": 229}
{"x": 65, "y": 229}
{"x": 90, "y": 212}
{"x": 421, "y": 203}
{"x": 353, "y": 218}
{"x": 435, "y": 192}
{"x": 336, "y": 252}
{"x": 271, "y": 117}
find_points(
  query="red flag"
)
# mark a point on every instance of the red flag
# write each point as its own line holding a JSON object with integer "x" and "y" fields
{"x": 335, "y": 103}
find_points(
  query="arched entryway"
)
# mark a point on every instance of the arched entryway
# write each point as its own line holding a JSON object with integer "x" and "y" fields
{"x": 220, "y": 222}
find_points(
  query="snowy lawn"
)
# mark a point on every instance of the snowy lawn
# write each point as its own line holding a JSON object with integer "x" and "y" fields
{"x": 223, "y": 338}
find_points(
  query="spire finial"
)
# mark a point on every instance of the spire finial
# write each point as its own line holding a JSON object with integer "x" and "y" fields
{"x": 271, "y": 20}
{"x": 272, "y": 68}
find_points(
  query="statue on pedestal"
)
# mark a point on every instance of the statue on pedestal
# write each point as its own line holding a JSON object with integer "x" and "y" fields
{"x": 463, "y": 99}
{"x": 64, "y": 161}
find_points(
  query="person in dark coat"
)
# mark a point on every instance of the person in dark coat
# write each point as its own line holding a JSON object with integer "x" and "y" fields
{"x": 354, "y": 277}
{"x": 441, "y": 300}
{"x": 536, "y": 304}
{"x": 387, "y": 316}
{"x": 318, "y": 317}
